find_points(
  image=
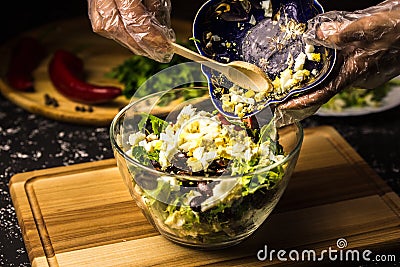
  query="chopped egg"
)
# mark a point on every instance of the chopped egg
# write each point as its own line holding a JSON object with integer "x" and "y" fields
{"x": 309, "y": 49}
{"x": 301, "y": 75}
{"x": 259, "y": 96}
{"x": 249, "y": 94}
{"x": 239, "y": 110}
{"x": 194, "y": 164}
{"x": 289, "y": 84}
{"x": 215, "y": 38}
{"x": 285, "y": 79}
{"x": 314, "y": 57}
{"x": 252, "y": 20}
{"x": 135, "y": 138}
{"x": 299, "y": 62}
{"x": 266, "y": 6}
{"x": 314, "y": 72}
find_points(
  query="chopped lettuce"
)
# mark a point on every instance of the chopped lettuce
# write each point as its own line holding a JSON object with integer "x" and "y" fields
{"x": 157, "y": 125}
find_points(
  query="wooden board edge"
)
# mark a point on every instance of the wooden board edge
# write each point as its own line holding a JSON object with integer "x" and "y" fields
{"x": 393, "y": 201}
{"x": 20, "y": 196}
{"x": 49, "y": 112}
{"x": 36, "y": 253}
{"x": 27, "y": 176}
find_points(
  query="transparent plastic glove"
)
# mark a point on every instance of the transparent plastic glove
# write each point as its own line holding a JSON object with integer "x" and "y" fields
{"x": 141, "y": 26}
{"x": 368, "y": 43}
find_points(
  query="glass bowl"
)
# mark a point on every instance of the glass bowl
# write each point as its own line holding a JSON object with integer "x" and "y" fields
{"x": 197, "y": 208}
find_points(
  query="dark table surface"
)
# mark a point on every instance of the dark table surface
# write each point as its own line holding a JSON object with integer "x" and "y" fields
{"x": 30, "y": 142}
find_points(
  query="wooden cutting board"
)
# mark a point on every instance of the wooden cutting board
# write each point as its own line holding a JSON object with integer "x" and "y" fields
{"x": 99, "y": 54}
{"x": 83, "y": 215}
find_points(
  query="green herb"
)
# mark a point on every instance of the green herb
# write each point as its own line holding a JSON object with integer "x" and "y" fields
{"x": 194, "y": 40}
{"x": 157, "y": 125}
{"x": 143, "y": 121}
{"x": 239, "y": 166}
{"x": 144, "y": 157}
{"x": 140, "y": 154}
{"x": 139, "y": 72}
{"x": 154, "y": 155}
{"x": 253, "y": 183}
{"x": 268, "y": 133}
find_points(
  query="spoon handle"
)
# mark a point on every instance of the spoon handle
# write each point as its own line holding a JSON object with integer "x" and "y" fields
{"x": 243, "y": 74}
{"x": 196, "y": 57}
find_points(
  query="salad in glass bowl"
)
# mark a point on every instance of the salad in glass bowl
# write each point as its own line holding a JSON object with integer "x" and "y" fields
{"x": 201, "y": 180}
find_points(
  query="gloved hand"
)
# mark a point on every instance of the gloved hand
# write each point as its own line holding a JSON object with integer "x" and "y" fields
{"x": 368, "y": 43}
{"x": 141, "y": 26}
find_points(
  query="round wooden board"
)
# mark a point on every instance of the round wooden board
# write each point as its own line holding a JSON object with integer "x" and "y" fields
{"x": 99, "y": 55}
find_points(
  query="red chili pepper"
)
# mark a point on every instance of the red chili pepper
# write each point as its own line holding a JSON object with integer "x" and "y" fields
{"x": 25, "y": 57}
{"x": 66, "y": 71}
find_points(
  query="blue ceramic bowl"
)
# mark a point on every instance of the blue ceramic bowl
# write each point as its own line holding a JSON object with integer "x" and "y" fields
{"x": 229, "y": 30}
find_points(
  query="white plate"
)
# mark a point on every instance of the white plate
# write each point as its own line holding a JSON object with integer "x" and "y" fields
{"x": 390, "y": 101}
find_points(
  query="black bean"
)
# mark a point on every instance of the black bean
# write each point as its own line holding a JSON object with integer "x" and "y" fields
{"x": 47, "y": 99}
{"x": 50, "y": 101}
{"x": 84, "y": 109}
{"x": 222, "y": 162}
{"x": 156, "y": 165}
{"x": 199, "y": 173}
{"x": 179, "y": 161}
{"x": 195, "y": 203}
{"x": 204, "y": 189}
{"x": 218, "y": 167}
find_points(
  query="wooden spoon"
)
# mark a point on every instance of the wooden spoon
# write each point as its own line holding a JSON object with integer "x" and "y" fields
{"x": 243, "y": 74}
